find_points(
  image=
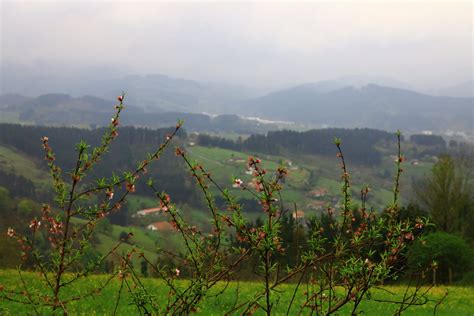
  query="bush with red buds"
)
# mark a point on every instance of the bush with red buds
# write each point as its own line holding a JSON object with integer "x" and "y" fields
{"x": 347, "y": 252}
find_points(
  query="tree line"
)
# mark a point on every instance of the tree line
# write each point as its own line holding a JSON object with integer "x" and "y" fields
{"x": 125, "y": 152}
{"x": 359, "y": 143}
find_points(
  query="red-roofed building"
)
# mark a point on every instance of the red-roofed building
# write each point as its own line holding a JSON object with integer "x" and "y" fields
{"x": 160, "y": 226}
{"x": 298, "y": 214}
{"x": 320, "y": 192}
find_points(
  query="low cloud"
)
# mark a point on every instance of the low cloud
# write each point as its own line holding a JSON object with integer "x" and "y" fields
{"x": 427, "y": 44}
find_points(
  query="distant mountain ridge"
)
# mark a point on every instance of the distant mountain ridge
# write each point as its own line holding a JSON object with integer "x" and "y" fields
{"x": 350, "y": 101}
{"x": 153, "y": 91}
{"x": 371, "y": 106}
{"x": 89, "y": 111}
{"x": 464, "y": 89}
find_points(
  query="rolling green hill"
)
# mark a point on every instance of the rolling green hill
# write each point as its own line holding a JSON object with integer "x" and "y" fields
{"x": 308, "y": 173}
{"x": 313, "y": 182}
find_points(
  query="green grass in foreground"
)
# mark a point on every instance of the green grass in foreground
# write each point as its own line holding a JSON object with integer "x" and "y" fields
{"x": 458, "y": 302}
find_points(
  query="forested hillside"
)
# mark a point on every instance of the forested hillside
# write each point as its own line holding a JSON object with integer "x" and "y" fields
{"x": 132, "y": 145}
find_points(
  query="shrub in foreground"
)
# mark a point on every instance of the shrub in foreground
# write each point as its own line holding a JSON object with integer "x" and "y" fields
{"x": 339, "y": 266}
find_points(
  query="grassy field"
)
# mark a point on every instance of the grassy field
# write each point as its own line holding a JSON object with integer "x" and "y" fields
{"x": 13, "y": 161}
{"x": 309, "y": 172}
{"x": 458, "y": 302}
{"x": 305, "y": 174}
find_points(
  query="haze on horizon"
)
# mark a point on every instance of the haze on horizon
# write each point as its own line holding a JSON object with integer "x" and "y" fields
{"x": 425, "y": 44}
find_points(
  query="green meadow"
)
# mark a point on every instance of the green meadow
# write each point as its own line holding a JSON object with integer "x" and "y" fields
{"x": 306, "y": 173}
{"x": 458, "y": 301}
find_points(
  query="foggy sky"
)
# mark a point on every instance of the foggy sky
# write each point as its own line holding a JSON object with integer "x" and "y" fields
{"x": 426, "y": 44}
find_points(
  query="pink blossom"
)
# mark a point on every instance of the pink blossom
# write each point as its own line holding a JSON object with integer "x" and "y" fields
{"x": 109, "y": 194}
{"x": 11, "y": 232}
{"x": 237, "y": 183}
{"x": 409, "y": 236}
{"x": 164, "y": 207}
{"x": 55, "y": 226}
{"x": 34, "y": 224}
{"x": 130, "y": 187}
